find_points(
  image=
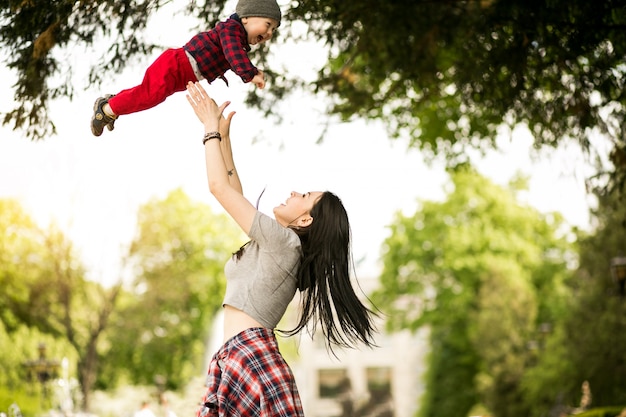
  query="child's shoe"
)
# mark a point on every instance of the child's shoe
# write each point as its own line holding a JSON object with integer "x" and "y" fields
{"x": 100, "y": 119}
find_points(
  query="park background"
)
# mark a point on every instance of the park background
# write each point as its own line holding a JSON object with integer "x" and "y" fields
{"x": 93, "y": 187}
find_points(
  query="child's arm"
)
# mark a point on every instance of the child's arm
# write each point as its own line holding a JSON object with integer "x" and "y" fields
{"x": 230, "y": 36}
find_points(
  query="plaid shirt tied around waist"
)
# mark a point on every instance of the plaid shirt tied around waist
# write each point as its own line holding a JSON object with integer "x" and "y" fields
{"x": 249, "y": 377}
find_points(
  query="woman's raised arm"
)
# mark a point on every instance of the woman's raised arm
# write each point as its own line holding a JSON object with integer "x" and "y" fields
{"x": 225, "y": 188}
{"x": 227, "y": 152}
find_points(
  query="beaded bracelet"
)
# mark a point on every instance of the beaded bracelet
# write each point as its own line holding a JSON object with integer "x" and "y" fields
{"x": 211, "y": 135}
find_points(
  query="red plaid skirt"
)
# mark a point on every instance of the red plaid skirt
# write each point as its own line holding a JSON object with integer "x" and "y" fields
{"x": 249, "y": 377}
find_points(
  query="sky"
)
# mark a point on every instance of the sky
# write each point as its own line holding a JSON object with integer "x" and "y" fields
{"x": 92, "y": 187}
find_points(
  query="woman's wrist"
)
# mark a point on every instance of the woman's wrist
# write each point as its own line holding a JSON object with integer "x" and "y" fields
{"x": 211, "y": 135}
{"x": 211, "y": 126}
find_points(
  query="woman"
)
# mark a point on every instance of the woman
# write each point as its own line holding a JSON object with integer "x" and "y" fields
{"x": 306, "y": 247}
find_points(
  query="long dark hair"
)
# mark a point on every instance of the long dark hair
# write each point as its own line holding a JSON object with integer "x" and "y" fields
{"x": 328, "y": 298}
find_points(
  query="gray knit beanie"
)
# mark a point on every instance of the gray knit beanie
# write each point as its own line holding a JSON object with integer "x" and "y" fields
{"x": 259, "y": 8}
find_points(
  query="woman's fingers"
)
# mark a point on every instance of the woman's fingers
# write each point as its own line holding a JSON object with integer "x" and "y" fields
{"x": 196, "y": 92}
{"x": 223, "y": 106}
{"x": 203, "y": 104}
{"x": 191, "y": 89}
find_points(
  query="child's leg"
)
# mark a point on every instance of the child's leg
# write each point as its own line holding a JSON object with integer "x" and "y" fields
{"x": 168, "y": 74}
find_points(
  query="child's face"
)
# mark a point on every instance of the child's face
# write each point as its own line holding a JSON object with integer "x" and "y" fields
{"x": 259, "y": 29}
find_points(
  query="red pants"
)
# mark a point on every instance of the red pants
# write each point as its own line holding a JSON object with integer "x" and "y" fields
{"x": 168, "y": 74}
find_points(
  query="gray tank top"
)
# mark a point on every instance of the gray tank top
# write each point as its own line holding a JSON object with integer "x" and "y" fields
{"x": 263, "y": 281}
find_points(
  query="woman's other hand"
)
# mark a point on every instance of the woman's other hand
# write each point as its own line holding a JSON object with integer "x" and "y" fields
{"x": 225, "y": 125}
{"x": 208, "y": 112}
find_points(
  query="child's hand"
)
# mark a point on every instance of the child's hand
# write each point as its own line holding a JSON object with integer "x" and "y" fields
{"x": 259, "y": 80}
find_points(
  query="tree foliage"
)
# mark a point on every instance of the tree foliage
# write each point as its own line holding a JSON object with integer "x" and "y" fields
{"x": 483, "y": 271}
{"x": 582, "y": 346}
{"x": 162, "y": 326}
{"x": 21, "y": 241}
{"x": 156, "y": 327}
{"x": 449, "y": 73}
{"x": 596, "y": 325}
{"x": 44, "y": 287}
{"x": 18, "y": 383}
{"x": 444, "y": 73}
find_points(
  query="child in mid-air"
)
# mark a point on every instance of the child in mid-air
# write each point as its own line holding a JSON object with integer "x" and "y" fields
{"x": 208, "y": 55}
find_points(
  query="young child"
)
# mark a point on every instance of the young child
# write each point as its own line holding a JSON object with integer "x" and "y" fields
{"x": 208, "y": 55}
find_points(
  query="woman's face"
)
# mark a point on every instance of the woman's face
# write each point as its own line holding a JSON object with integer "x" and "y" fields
{"x": 296, "y": 209}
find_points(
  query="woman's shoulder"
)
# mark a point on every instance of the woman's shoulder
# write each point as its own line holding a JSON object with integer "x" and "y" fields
{"x": 265, "y": 229}
{"x": 265, "y": 222}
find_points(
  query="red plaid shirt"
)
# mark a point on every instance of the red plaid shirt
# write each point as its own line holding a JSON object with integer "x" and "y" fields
{"x": 223, "y": 48}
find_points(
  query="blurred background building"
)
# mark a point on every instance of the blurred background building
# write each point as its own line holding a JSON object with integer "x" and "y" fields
{"x": 380, "y": 382}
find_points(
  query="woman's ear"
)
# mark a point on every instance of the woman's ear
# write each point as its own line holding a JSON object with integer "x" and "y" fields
{"x": 305, "y": 221}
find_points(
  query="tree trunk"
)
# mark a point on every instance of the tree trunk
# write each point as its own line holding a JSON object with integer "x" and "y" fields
{"x": 87, "y": 371}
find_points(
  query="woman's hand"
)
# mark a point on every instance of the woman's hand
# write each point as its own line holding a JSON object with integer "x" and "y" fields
{"x": 205, "y": 107}
{"x": 225, "y": 125}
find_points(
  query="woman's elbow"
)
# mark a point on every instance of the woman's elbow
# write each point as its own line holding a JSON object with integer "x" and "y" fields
{"x": 217, "y": 188}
